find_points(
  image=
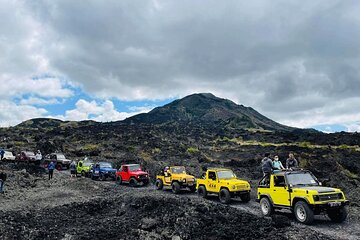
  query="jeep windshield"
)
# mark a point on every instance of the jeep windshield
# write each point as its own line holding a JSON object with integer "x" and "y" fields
{"x": 178, "y": 170}
{"x": 87, "y": 164}
{"x": 302, "y": 179}
{"x": 135, "y": 167}
{"x": 105, "y": 165}
{"x": 60, "y": 156}
{"x": 226, "y": 174}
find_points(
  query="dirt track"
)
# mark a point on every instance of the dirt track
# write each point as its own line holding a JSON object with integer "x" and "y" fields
{"x": 68, "y": 208}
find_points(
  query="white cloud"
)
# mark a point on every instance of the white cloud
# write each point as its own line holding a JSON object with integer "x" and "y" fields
{"x": 39, "y": 101}
{"x": 12, "y": 114}
{"x": 102, "y": 112}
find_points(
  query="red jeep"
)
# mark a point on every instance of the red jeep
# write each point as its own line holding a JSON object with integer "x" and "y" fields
{"x": 26, "y": 156}
{"x": 132, "y": 174}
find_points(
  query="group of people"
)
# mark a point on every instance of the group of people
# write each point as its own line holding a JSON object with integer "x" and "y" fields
{"x": 269, "y": 166}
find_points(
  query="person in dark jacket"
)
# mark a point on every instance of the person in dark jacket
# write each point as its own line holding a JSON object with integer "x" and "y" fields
{"x": 51, "y": 168}
{"x": 3, "y": 177}
{"x": 291, "y": 162}
{"x": 267, "y": 164}
{"x": 2, "y": 152}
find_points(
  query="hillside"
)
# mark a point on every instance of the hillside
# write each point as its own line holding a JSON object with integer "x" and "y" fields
{"x": 207, "y": 109}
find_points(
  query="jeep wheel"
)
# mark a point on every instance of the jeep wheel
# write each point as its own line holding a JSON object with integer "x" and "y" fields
{"x": 245, "y": 197}
{"x": 132, "y": 182}
{"x": 159, "y": 184}
{"x": 303, "y": 213}
{"x": 175, "y": 186}
{"x": 337, "y": 215}
{"x": 59, "y": 167}
{"x": 202, "y": 192}
{"x": 119, "y": 180}
{"x": 102, "y": 177}
{"x": 266, "y": 207}
{"x": 83, "y": 173}
{"x": 224, "y": 196}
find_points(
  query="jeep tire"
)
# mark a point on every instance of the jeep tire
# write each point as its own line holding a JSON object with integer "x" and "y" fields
{"x": 245, "y": 197}
{"x": 337, "y": 215}
{"x": 118, "y": 180}
{"x": 266, "y": 207}
{"x": 224, "y": 196}
{"x": 59, "y": 167}
{"x": 132, "y": 182}
{"x": 202, "y": 191}
{"x": 303, "y": 213}
{"x": 175, "y": 187}
{"x": 102, "y": 177}
{"x": 159, "y": 184}
{"x": 83, "y": 174}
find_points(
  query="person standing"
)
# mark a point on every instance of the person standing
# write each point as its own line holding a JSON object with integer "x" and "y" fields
{"x": 2, "y": 152}
{"x": 38, "y": 156}
{"x": 277, "y": 164}
{"x": 291, "y": 162}
{"x": 51, "y": 168}
{"x": 267, "y": 165}
{"x": 73, "y": 169}
{"x": 3, "y": 177}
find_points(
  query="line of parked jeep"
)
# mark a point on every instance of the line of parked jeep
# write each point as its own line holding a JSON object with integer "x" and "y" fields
{"x": 297, "y": 190}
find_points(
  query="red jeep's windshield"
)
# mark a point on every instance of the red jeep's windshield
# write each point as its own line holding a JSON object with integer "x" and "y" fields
{"x": 135, "y": 167}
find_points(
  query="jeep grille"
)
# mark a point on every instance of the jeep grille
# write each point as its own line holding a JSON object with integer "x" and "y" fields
{"x": 328, "y": 197}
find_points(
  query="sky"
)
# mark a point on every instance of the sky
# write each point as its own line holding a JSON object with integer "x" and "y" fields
{"x": 296, "y": 62}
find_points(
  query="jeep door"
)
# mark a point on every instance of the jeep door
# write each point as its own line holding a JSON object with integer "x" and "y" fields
{"x": 125, "y": 173}
{"x": 211, "y": 181}
{"x": 280, "y": 194}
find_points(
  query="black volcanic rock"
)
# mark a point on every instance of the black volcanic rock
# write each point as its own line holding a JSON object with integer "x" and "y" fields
{"x": 207, "y": 109}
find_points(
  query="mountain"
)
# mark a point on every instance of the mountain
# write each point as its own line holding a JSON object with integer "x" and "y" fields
{"x": 207, "y": 109}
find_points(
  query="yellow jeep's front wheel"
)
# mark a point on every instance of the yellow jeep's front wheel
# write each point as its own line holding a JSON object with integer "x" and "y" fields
{"x": 159, "y": 184}
{"x": 224, "y": 196}
{"x": 266, "y": 207}
{"x": 202, "y": 191}
{"x": 303, "y": 212}
{"x": 175, "y": 187}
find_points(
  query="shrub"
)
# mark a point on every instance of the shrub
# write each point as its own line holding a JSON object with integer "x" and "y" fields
{"x": 192, "y": 150}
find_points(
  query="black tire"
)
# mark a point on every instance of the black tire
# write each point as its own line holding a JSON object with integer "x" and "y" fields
{"x": 83, "y": 174}
{"x": 224, "y": 196}
{"x": 266, "y": 207}
{"x": 303, "y": 213}
{"x": 132, "y": 182}
{"x": 159, "y": 184}
{"x": 118, "y": 180}
{"x": 202, "y": 191}
{"x": 192, "y": 188}
{"x": 245, "y": 197}
{"x": 338, "y": 215}
{"x": 59, "y": 167}
{"x": 175, "y": 187}
{"x": 102, "y": 177}
{"x": 92, "y": 177}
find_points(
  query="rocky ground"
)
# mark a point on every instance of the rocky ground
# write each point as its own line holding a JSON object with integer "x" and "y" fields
{"x": 79, "y": 208}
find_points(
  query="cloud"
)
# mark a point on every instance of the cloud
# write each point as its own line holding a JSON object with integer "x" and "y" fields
{"x": 12, "y": 114}
{"x": 39, "y": 101}
{"x": 102, "y": 112}
{"x": 290, "y": 60}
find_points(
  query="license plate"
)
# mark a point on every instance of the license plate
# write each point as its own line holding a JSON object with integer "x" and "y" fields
{"x": 334, "y": 204}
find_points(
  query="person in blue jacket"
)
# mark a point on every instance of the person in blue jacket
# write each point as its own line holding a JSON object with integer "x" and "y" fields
{"x": 51, "y": 168}
{"x": 2, "y": 152}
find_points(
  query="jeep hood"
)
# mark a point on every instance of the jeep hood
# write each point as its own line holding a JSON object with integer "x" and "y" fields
{"x": 108, "y": 169}
{"x": 186, "y": 176}
{"x": 139, "y": 172}
{"x": 233, "y": 181}
{"x": 318, "y": 189}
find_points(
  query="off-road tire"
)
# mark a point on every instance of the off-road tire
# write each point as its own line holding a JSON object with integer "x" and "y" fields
{"x": 102, "y": 177}
{"x": 59, "y": 166}
{"x": 132, "y": 182}
{"x": 266, "y": 207}
{"x": 119, "y": 180}
{"x": 175, "y": 187}
{"x": 159, "y": 184}
{"x": 245, "y": 197}
{"x": 202, "y": 192}
{"x": 92, "y": 177}
{"x": 83, "y": 174}
{"x": 338, "y": 215}
{"x": 303, "y": 213}
{"x": 224, "y": 196}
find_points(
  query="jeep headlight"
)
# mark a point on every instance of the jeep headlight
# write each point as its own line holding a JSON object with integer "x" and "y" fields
{"x": 316, "y": 198}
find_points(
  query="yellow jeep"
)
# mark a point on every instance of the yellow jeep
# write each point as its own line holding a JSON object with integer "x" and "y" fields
{"x": 300, "y": 192}
{"x": 177, "y": 178}
{"x": 223, "y": 182}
